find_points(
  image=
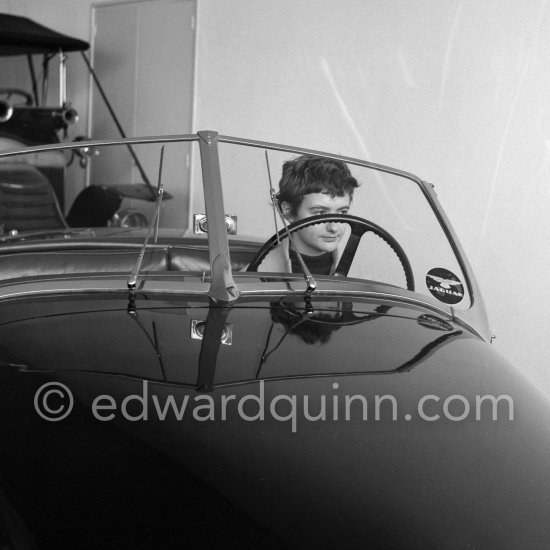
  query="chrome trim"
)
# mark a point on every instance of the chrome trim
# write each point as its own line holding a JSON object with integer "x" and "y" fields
{"x": 99, "y": 143}
{"x": 477, "y": 312}
{"x": 197, "y": 331}
{"x": 475, "y": 315}
{"x": 200, "y": 224}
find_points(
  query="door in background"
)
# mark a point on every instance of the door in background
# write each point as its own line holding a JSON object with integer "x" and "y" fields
{"x": 143, "y": 54}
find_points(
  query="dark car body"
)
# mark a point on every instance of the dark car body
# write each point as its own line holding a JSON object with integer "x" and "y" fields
{"x": 193, "y": 402}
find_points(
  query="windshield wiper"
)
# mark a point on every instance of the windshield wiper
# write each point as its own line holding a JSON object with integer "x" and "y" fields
{"x": 310, "y": 281}
{"x": 132, "y": 280}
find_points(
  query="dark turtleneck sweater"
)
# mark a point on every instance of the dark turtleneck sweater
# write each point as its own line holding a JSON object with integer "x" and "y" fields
{"x": 317, "y": 265}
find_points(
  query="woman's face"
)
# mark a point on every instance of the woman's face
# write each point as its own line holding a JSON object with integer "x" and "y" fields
{"x": 323, "y": 237}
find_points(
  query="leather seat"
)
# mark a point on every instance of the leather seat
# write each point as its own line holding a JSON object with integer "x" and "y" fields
{"x": 198, "y": 261}
{"x": 27, "y": 199}
{"x": 67, "y": 262}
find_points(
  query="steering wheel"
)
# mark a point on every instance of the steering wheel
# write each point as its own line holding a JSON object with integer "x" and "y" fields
{"x": 17, "y": 91}
{"x": 359, "y": 227}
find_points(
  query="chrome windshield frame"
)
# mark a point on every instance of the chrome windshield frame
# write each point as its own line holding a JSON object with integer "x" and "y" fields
{"x": 223, "y": 288}
{"x": 476, "y": 314}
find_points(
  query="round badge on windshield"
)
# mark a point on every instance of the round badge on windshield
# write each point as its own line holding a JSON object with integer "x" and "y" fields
{"x": 444, "y": 285}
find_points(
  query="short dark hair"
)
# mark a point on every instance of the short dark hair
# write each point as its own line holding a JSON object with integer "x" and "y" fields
{"x": 310, "y": 174}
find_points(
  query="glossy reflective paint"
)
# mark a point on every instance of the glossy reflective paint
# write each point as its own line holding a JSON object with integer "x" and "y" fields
{"x": 413, "y": 480}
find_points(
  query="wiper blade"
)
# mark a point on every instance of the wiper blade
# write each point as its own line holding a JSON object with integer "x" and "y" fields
{"x": 132, "y": 280}
{"x": 310, "y": 281}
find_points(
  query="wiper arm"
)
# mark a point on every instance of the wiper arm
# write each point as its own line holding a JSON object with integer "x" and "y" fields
{"x": 310, "y": 281}
{"x": 132, "y": 280}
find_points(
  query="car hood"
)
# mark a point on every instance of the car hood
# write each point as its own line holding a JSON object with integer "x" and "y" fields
{"x": 385, "y": 478}
{"x": 275, "y": 338}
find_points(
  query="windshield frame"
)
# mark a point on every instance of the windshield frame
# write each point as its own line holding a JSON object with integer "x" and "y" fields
{"x": 223, "y": 287}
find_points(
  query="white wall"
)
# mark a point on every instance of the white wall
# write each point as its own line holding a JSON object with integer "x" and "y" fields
{"x": 457, "y": 91}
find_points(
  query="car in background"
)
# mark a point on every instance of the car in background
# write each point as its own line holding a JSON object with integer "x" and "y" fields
{"x": 160, "y": 389}
{"x": 28, "y": 117}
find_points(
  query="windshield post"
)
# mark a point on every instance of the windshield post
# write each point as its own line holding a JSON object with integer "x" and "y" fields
{"x": 223, "y": 288}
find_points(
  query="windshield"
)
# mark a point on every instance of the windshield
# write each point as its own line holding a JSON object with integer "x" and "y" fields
{"x": 396, "y": 205}
{"x": 385, "y": 226}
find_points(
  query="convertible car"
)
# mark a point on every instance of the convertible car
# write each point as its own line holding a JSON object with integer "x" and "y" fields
{"x": 162, "y": 386}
